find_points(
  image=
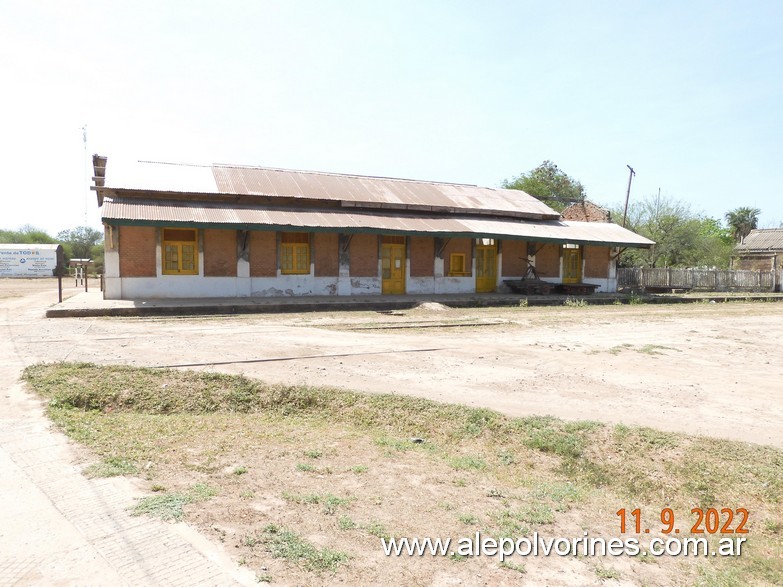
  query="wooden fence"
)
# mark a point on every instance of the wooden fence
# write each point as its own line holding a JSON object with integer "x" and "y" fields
{"x": 696, "y": 279}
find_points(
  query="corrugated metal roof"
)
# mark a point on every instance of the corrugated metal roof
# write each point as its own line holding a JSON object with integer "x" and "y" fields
{"x": 351, "y": 190}
{"x": 156, "y": 212}
{"x": 763, "y": 239}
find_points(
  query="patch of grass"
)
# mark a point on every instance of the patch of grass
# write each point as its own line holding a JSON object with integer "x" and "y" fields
{"x": 359, "y": 469}
{"x": 346, "y": 523}
{"x": 605, "y": 573}
{"x": 157, "y": 488}
{"x": 394, "y": 444}
{"x": 330, "y": 502}
{"x": 468, "y": 519}
{"x": 513, "y": 567}
{"x": 313, "y": 454}
{"x": 288, "y": 545}
{"x": 635, "y": 299}
{"x": 721, "y": 577}
{"x": 508, "y": 524}
{"x": 240, "y": 470}
{"x": 575, "y": 302}
{"x": 536, "y": 514}
{"x": 562, "y": 495}
{"x": 653, "y": 349}
{"x": 111, "y": 467}
{"x": 377, "y": 529}
{"x": 170, "y": 506}
{"x": 467, "y": 462}
{"x": 305, "y": 467}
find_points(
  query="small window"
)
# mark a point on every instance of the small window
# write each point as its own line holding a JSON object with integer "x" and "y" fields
{"x": 486, "y": 242}
{"x": 570, "y": 246}
{"x": 457, "y": 265}
{"x": 393, "y": 240}
{"x": 180, "y": 251}
{"x": 295, "y": 253}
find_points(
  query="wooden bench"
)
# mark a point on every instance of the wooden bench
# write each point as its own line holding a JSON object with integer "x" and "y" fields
{"x": 529, "y": 286}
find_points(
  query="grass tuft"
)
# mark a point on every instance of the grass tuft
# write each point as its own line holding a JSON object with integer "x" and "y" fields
{"x": 288, "y": 545}
{"x": 171, "y": 506}
{"x": 111, "y": 467}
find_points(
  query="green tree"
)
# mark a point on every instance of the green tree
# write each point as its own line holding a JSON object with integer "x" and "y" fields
{"x": 741, "y": 221}
{"x": 548, "y": 183}
{"x": 27, "y": 234}
{"x": 682, "y": 237}
{"x": 79, "y": 242}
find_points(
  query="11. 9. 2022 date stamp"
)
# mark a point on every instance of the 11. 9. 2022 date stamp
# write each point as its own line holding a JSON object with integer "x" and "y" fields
{"x": 702, "y": 521}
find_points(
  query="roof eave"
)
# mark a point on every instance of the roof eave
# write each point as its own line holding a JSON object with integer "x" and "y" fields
{"x": 363, "y": 230}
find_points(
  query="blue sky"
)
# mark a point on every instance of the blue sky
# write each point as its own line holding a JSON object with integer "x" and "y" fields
{"x": 688, "y": 93}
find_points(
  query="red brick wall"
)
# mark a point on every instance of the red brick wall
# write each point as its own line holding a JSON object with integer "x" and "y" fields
{"x": 263, "y": 253}
{"x": 548, "y": 261}
{"x": 220, "y": 253}
{"x": 364, "y": 255}
{"x": 327, "y": 262}
{"x": 586, "y": 212}
{"x": 458, "y": 245}
{"x": 596, "y": 261}
{"x": 514, "y": 254}
{"x": 422, "y": 254}
{"x": 137, "y": 251}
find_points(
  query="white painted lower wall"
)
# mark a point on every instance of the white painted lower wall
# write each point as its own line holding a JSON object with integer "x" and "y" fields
{"x": 292, "y": 285}
{"x": 198, "y": 286}
{"x": 455, "y": 285}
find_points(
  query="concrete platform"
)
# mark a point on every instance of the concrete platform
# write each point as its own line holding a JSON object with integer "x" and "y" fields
{"x": 92, "y": 304}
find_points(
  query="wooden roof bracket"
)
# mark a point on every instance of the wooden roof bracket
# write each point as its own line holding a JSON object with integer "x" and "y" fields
{"x": 347, "y": 242}
{"x": 619, "y": 252}
{"x": 442, "y": 247}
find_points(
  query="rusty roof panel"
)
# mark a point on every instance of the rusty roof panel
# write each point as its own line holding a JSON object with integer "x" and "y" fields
{"x": 157, "y": 212}
{"x": 351, "y": 190}
{"x": 763, "y": 239}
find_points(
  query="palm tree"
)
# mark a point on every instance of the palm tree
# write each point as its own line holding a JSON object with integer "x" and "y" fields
{"x": 742, "y": 220}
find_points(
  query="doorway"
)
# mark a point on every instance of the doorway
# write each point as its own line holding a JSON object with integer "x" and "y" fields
{"x": 393, "y": 265}
{"x": 572, "y": 263}
{"x": 486, "y": 265}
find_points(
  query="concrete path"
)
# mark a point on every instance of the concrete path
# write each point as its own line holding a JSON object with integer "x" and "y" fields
{"x": 58, "y": 527}
{"x": 92, "y": 304}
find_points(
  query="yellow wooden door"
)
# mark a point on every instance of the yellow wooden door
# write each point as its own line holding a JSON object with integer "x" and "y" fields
{"x": 393, "y": 268}
{"x": 572, "y": 265}
{"x": 486, "y": 268}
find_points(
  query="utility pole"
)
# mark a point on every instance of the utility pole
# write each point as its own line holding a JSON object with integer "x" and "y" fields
{"x": 84, "y": 169}
{"x": 628, "y": 193}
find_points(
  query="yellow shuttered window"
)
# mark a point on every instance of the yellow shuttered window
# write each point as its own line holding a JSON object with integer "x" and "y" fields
{"x": 180, "y": 251}
{"x": 295, "y": 253}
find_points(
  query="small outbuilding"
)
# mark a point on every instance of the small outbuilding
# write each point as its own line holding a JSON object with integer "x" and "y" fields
{"x": 761, "y": 250}
{"x": 175, "y": 231}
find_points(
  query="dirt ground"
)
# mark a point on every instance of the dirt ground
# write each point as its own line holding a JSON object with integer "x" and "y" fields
{"x": 711, "y": 369}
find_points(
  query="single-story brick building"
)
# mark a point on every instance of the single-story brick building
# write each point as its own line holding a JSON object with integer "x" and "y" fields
{"x": 233, "y": 231}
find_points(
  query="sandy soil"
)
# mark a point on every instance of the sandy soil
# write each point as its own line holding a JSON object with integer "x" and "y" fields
{"x": 712, "y": 369}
